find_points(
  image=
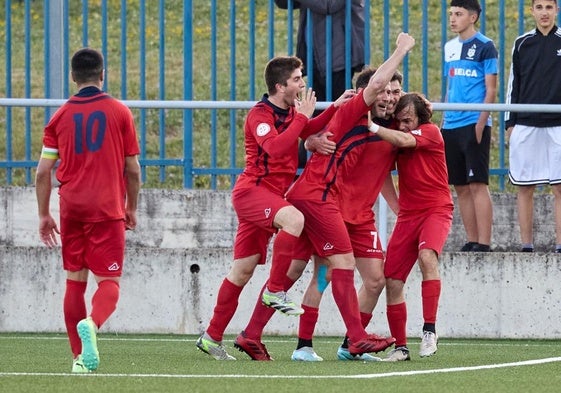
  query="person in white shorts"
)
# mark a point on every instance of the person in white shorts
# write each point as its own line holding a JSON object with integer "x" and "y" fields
{"x": 535, "y": 138}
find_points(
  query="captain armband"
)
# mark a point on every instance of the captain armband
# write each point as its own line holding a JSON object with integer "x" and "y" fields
{"x": 50, "y": 153}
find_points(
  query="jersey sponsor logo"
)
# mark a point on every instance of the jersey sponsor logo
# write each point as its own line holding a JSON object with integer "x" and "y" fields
{"x": 267, "y": 212}
{"x": 471, "y": 52}
{"x": 327, "y": 246}
{"x": 463, "y": 72}
{"x": 417, "y": 132}
{"x": 263, "y": 129}
{"x": 114, "y": 267}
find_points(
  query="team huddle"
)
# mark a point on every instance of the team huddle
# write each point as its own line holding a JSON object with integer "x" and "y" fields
{"x": 324, "y": 215}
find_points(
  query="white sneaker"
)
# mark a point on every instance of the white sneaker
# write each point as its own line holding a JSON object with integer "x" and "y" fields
{"x": 399, "y": 354}
{"x": 428, "y": 344}
{"x": 306, "y": 354}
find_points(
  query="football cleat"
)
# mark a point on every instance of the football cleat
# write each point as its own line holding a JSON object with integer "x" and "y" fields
{"x": 428, "y": 344}
{"x": 88, "y": 336}
{"x": 399, "y": 354}
{"x": 306, "y": 354}
{"x": 344, "y": 354}
{"x": 213, "y": 348}
{"x": 255, "y": 349}
{"x": 280, "y": 302}
{"x": 370, "y": 343}
{"x": 78, "y": 366}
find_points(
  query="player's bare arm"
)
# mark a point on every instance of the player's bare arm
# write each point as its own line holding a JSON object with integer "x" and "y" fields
{"x": 401, "y": 139}
{"x": 132, "y": 173}
{"x": 43, "y": 185}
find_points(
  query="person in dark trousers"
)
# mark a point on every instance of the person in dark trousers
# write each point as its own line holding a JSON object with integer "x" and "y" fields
{"x": 319, "y": 10}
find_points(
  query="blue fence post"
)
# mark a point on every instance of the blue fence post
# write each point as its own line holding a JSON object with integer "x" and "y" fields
{"x": 425, "y": 48}
{"x": 405, "y": 23}
{"x": 443, "y": 39}
{"x": 386, "y": 29}
{"x": 66, "y": 50}
{"x": 27, "y": 81}
{"x": 233, "y": 86}
{"x": 188, "y": 95}
{"x": 124, "y": 51}
{"x": 85, "y": 20}
{"x": 213, "y": 90}
{"x": 8, "y": 51}
{"x": 502, "y": 78}
{"x": 162, "y": 87}
{"x": 104, "y": 38}
{"x": 142, "y": 76}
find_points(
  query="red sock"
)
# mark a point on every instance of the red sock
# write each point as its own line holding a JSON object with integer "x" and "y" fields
{"x": 397, "y": 321}
{"x": 226, "y": 305}
{"x": 308, "y": 322}
{"x": 344, "y": 293}
{"x": 430, "y": 292}
{"x": 74, "y": 307}
{"x": 283, "y": 248}
{"x": 365, "y": 319}
{"x": 262, "y": 314}
{"x": 104, "y": 301}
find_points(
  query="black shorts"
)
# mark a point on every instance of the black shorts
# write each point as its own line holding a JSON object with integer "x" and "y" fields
{"x": 467, "y": 160}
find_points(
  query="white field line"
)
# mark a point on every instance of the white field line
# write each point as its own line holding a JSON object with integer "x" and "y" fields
{"x": 524, "y": 342}
{"x": 245, "y": 376}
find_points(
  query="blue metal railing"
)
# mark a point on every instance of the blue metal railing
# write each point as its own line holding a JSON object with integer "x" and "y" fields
{"x": 211, "y": 143}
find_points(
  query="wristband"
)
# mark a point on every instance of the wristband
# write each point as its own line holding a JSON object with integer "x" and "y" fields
{"x": 373, "y": 128}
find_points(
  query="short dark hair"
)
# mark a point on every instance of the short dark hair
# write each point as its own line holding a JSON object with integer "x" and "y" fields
{"x": 279, "y": 69}
{"x": 420, "y": 104}
{"x": 87, "y": 65}
{"x": 470, "y": 5}
{"x": 397, "y": 76}
{"x": 364, "y": 77}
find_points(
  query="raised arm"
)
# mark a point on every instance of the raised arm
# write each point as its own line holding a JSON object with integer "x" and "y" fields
{"x": 384, "y": 73}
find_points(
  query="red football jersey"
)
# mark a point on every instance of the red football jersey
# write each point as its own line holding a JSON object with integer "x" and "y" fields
{"x": 271, "y": 144}
{"x": 423, "y": 177}
{"x": 360, "y": 181}
{"x": 92, "y": 134}
{"x": 319, "y": 179}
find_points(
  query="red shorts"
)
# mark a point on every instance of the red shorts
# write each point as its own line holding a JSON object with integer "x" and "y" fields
{"x": 325, "y": 227}
{"x": 256, "y": 209}
{"x": 97, "y": 246}
{"x": 365, "y": 240}
{"x": 424, "y": 231}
